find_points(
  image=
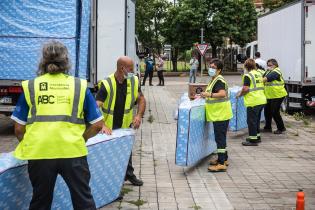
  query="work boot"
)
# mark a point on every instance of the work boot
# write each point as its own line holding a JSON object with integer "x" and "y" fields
{"x": 250, "y": 142}
{"x": 134, "y": 181}
{"x": 279, "y": 131}
{"x": 256, "y": 141}
{"x": 215, "y": 162}
{"x": 217, "y": 168}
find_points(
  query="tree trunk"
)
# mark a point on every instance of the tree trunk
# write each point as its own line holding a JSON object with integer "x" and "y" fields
{"x": 174, "y": 58}
{"x": 214, "y": 51}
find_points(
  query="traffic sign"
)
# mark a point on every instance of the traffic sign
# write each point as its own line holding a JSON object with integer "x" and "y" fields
{"x": 202, "y": 48}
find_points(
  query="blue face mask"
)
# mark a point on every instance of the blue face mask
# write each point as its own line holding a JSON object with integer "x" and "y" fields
{"x": 211, "y": 72}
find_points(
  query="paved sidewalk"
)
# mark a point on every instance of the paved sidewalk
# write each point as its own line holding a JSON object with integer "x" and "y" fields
{"x": 263, "y": 177}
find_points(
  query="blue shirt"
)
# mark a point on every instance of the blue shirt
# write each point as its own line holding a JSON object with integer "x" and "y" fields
{"x": 273, "y": 76}
{"x": 92, "y": 113}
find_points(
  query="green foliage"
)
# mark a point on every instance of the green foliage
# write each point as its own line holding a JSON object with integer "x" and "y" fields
{"x": 274, "y": 4}
{"x": 195, "y": 207}
{"x": 138, "y": 202}
{"x": 125, "y": 191}
{"x": 159, "y": 22}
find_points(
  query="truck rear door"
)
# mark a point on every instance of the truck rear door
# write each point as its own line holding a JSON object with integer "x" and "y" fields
{"x": 309, "y": 74}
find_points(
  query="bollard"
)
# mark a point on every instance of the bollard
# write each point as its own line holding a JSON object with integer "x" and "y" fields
{"x": 300, "y": 200}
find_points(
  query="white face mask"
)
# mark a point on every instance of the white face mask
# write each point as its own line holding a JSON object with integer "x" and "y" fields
{"x": 128, "y": 75}
{"x": 245, "y": 71}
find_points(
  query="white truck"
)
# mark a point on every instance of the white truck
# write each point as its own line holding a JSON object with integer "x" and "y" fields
{"x": 288, "y": 35}
{"x": 96, "y": 33}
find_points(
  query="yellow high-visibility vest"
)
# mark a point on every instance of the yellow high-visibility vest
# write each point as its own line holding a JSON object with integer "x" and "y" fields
{"x": 109, "y": 103}
{"x": 218, "y": 109}
{"x": 55, "y": 122}
{"x": 275, "y": 89}
{"x": 256, "y": 95}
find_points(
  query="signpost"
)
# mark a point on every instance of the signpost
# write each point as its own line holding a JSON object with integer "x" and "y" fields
{"x": 202, "y": 48}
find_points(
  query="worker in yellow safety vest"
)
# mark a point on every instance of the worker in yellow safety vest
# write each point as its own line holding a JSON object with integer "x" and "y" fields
{"x": 50, "y": 123}
{"x": 275, "y": 93}
{"x": 117, "y": 96}
{"x": 219, "y": 112}
{"x": 254, "y": 100}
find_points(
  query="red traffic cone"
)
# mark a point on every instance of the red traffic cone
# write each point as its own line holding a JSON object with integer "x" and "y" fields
{"x": 300, "y": 202}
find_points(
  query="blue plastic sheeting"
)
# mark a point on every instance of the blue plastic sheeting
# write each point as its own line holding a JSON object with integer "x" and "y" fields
{"x": 108, "y": 159}
{"x": 26, "y": 25}
{"x": 38, "y": 18}
{"x": 239, "y": 120}
{"x": 195, "y": 137}
{"x": 19, "y": 58}
{"x": 84, "y": 55}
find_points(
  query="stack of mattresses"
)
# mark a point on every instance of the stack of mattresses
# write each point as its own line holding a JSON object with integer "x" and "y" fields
{"x": 26, "y": 25}
{"x": 108, "y": 159}
{"x": 195, "y": 138}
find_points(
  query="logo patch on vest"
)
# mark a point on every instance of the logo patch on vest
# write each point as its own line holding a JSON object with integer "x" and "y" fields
{"x": 45, "y": 99}
{"x": 43, "y": 86}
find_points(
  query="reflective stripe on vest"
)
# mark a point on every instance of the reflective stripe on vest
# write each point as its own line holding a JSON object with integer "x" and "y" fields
{"x": 109, "y": 103}
{"x": 275, "y": 89}
{"x": 255, "y": 85}
{"x": 255, "y": 95}
{"x": 53, "y": 118}
{"x": 218, "y": 109}
{"x": 55, "y": 123}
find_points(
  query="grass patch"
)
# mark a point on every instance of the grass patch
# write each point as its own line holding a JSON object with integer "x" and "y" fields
{"x": 195, "y": 207}
{"x": 138, "y": 202}
{"x": 150, "y": 119}
{"x": 125, "y": 191}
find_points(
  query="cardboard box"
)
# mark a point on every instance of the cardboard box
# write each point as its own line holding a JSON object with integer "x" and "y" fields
{"x": 196, "y": 88}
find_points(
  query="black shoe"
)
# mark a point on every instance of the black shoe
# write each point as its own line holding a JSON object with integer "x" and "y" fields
{"x": 158, "y": 85}
{"x": 248, "y": 143}
{"x": 151, "y": 85}
{"x": 142, "y": 84}
{"x": 279, "y": 131}
{"x": 267, "y": 130}
{"x": 134, "y": 181}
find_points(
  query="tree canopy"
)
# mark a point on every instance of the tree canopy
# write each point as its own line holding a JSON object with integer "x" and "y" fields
{"x": 159, "y": 22}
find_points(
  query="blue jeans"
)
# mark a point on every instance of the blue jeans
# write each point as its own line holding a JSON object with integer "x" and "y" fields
{"x": 192, "y": 75}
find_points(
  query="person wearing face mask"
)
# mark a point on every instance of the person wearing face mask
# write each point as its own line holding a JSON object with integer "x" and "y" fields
{"x": 117, "y": 96}
{"x": 254, "y": 99}
{"x": 275, "y": 93}
{"x": 218, "y": 111}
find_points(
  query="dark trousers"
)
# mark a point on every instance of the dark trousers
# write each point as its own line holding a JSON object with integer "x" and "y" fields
{"x": 75, "y": 172}
{"x": 146, "y": 74}
{"x": 253, "y": 121}
{"x": 130, "y": 169}
{"x": 220, "y": 130}
{"x": 161, "y": 77}
{"x": 272, "y": 110}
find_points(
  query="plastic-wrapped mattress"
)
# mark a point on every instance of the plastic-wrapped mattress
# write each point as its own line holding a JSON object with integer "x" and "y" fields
{"x": 239, "y": 120}
{"x": 195, "y": 137}
{"x": 26, "y": 25}
{"x": 108, "y": 159}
